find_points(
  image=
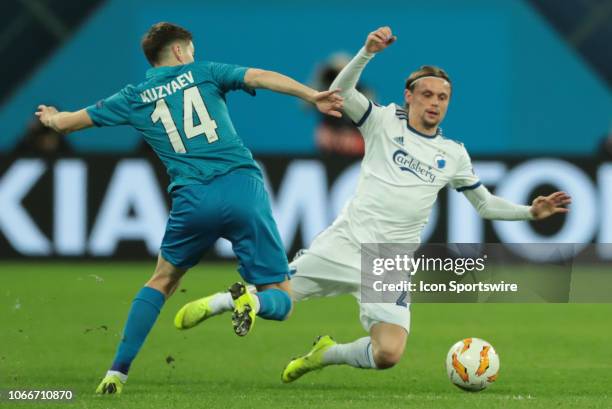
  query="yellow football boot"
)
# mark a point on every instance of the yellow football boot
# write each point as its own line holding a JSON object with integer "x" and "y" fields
{"x": 191, "y": 314}
{"x": 243, "y": 317}
{"x": 312, "y": 361}
{"x": 111, "y": 385}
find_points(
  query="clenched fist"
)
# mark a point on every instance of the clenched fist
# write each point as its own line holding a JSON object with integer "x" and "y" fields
{"x": 379, "y": 39}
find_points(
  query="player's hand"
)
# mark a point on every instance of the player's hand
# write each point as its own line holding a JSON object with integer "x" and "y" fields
{"x": 329, "y": 102}
{"x": 45, "y": 113}
{"x": 379, "y": 40}
{"x": 545, "y": 206}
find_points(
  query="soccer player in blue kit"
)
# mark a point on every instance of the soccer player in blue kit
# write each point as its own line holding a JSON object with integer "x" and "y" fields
{"x": 216, "y": 187}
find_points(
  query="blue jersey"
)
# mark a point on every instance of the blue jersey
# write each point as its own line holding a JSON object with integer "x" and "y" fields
{"x": 182, "y": 114}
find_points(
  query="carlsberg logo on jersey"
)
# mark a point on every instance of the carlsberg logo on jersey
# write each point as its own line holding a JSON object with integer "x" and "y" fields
{"x": 409, "y": 164}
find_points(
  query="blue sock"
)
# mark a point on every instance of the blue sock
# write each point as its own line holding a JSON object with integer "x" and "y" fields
{"x": 274, "y": 304}
{"x": 142, "y": 316}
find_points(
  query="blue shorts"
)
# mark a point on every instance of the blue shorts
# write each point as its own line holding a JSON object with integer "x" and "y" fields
{"x": 236, "y": 207}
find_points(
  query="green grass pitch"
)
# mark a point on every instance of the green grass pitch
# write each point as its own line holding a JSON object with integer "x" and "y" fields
{"x": 60, "y": 324}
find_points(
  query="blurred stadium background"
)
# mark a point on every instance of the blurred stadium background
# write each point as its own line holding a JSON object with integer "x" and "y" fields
{"x": 531, "y": 101}
{"x": 531, "y": 83}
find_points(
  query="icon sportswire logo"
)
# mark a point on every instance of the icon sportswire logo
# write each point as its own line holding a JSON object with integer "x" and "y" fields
{"x": 410, "y": 164}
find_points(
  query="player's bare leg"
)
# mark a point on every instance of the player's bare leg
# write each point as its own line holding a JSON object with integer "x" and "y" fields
{"x": 388, "y": 344}
{"x": 166, "y": 278}
{"x": 141, "y": 318}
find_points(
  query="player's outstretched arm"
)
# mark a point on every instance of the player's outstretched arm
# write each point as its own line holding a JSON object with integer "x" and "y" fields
{"x": 493, "y": 207}
{"x": 328, "y": 102}
{"x": 63, "y": 122}
{"x": 355, "y": 103}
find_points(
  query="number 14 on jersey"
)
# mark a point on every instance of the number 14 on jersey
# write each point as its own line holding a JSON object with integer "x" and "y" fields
{"x": 192, "y": 102}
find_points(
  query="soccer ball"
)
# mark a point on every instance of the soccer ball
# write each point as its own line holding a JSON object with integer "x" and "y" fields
{"x": 472, "y": 364}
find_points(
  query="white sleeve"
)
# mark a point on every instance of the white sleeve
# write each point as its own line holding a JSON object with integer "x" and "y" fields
{"x": 356, "y": 105}
{"x": 464, "y": 178}
{"x": 493, "y": 207}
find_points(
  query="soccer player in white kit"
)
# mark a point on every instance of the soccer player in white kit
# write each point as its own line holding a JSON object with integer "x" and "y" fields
{"x": 407, "y": 162}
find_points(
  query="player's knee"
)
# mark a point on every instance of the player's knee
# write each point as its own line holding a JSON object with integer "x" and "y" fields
{"x": 387, "y": 356}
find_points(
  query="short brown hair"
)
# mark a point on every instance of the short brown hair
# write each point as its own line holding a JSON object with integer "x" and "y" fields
{"x": 159, "y": 36}
{"x": 426, "y": 71}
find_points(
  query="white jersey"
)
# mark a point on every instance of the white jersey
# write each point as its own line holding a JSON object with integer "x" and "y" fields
{"x": 401, "y": 174}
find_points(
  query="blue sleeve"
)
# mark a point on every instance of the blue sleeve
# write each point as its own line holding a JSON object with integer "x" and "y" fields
{"x": 114, "y": 110}
{"x": 229, "y": 77}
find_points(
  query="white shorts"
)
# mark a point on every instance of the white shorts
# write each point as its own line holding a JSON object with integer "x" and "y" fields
{"x": 319, "y": 277}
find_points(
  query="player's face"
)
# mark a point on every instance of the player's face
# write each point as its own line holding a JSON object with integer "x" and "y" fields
{"x": 429, "y": 101}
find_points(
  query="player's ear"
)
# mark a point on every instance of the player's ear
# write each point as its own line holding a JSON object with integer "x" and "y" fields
{"x": 407, "y": 96}
{"x": 177, "y": 51}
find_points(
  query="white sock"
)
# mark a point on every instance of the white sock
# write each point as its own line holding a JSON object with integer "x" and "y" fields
{"x": 121, "y": 375}
{"x": 256, "y": 298}
{"x": 221, "y": 302}
{"x": 357, "y": 354}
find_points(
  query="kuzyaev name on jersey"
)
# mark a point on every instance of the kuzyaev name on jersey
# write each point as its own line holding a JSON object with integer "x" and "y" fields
{"x": 162, "y": 91}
